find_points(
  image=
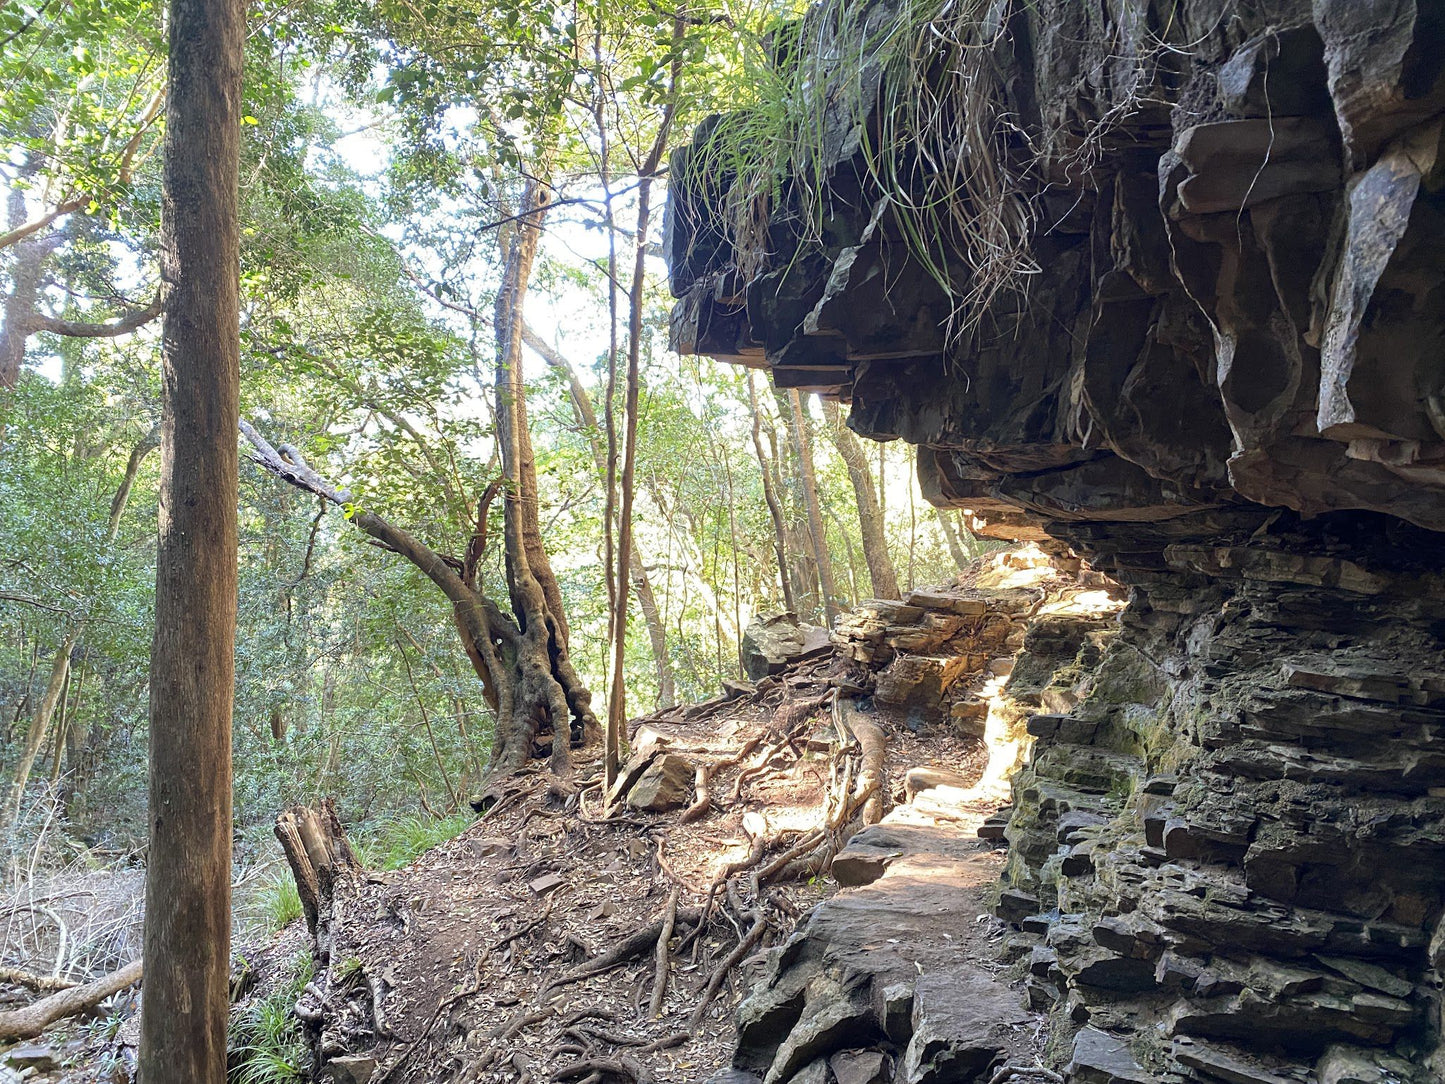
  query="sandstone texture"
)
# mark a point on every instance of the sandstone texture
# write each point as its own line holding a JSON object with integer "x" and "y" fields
{"x": 1221, "y": 385}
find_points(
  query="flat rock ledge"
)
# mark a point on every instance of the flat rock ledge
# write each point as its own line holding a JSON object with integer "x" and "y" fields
{"x": 894, "y": 978}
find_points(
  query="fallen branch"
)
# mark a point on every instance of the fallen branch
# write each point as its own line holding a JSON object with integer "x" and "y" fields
{"x": 30, "y": 1021}
{"x": 32, "y": 981}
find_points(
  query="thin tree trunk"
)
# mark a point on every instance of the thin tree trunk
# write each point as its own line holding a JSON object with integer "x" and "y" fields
{"x": 802, "y": 565}
{"x": 737, "y": 575}
{"x": 40, "y": 723}
{"x": 870, "y": 516}
{"x": 950, "y": 535}
{"x": 192, "y": 674}
{"x": 815, "y": 513}
{"x": 62, "y": 722}
{"x": 912, "y": 519}
{"x": 456, "y": 798}
{"x": 770, "y": 495}
{"x": 641, "y": 582}
{"x": 617, "y": 682}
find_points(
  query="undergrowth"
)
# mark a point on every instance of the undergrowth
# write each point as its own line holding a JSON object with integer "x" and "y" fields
{"x": 278, "y": 902}
{"x": 397, "y": 841}
{"x": 266, "y": 1045}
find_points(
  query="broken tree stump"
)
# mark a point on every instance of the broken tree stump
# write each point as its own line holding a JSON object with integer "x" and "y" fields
{"x": 319, "y": 855}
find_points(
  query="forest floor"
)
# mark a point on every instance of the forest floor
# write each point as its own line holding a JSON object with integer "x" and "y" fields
{"x": 526, "y": 949}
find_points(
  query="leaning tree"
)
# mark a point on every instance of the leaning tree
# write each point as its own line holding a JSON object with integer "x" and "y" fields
{"x": 521, "y": 652}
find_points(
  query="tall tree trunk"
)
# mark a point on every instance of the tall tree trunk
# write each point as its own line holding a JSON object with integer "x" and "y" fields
{"x": 641, "y": 582}
{"x": 547, "y": 687}
{"x": 950, "y": 535}
{"x": 646, "y": 176}
{"x": 802, "y": 435}
{"x": 192, "y": 676}
{"x": 788, "y": 478}
{"x": 770, "y": 495}
{"x": 870, "y": 518}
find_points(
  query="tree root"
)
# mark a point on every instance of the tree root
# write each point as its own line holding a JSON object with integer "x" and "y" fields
{"x": 873, "y": 743}
{"x": 377, "y": 989}
{"x": 1036, "y": 1071}
{"x": 744, "y": 946}
{"x": 626, "y": 1067}
{"x": 702, "y": 800}
{"x": 659, "y": 979}
{"x": 635, "y": 945}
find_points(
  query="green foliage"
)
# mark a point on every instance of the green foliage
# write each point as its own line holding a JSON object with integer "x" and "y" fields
{"x": 397, "y": 841}
{"x": 379, "y": 152}
{"x": 266, "y": 1045}
{"x": 79, "y": 85}
{"x": 279, "y": 901}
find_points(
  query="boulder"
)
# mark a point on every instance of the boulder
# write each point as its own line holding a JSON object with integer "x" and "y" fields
{"x": 919, "y": 681}
{"x": 771, "y": 644}
{"x": 663, "y": 785}
{"x": 351, "y": 1069}
{"x": 1352, "y": 1065}
{"x": 34, "y": 1056}
{"x": 960, "y": 1024}
{"x": 1100, "y": 1058}
{"x": 859, "y": 1067}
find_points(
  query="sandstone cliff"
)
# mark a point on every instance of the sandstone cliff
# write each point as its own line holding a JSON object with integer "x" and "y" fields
{"x": 1215, "y": 369}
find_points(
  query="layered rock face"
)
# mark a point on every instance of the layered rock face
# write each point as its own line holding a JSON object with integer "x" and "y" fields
{"x": 1223, "y": 385}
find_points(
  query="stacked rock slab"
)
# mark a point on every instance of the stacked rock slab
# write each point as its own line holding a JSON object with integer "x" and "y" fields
{"x": 1223, "y": 386}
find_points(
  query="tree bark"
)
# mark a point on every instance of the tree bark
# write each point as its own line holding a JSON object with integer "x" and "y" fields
{"x": 870, "y": 518}
{"x": 815, "y": 513}
{"x": 548, "y": 689}
{"x": 192, "y": 676}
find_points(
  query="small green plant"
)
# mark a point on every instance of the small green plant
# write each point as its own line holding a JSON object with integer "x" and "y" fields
{"x": 396, "y": 842}
{"x": 278, "y": 902}
{"x": 266, "y": 1044}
